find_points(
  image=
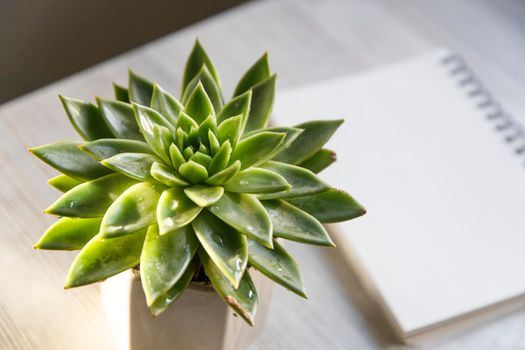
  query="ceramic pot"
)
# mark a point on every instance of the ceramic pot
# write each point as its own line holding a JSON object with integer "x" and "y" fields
{"x": 199, "y": 319}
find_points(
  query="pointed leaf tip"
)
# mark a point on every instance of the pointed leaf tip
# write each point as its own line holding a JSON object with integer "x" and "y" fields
{"x": 63, "y": 182}
{"x": 330, "y": 206}
{"x": 316, "y": 133}
{"x": 257, "y": 73}
{"x": 69, "y": 234}
{"x": 86, "y": 119}
{"x": 199, "y": 105}
{"x": 319, "y": 161}
{"x": 67, "y": 158}
{"x": 278, "y": 265}
{"x": 103, "y": 258}
{"x": 140, "y": 89}
{"x": 121, "y": 93}
{"x": 166, "y": 104}
{"x": 213, "y": 91}
{"x": 120, "y": 118}
{"x": 197, "y": 58}
{"x": 243, "y": 300}
{"x": 261, "y": 104}
{"x": 90, "y": 199}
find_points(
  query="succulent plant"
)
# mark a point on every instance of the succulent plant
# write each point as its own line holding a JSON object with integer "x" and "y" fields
{"x": 182, "y": 187}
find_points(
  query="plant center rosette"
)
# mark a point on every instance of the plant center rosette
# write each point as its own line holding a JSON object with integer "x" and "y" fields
{"x": 180, "y": 186}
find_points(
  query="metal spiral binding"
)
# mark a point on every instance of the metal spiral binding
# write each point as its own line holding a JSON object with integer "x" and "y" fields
{"x": 504, "y": 123}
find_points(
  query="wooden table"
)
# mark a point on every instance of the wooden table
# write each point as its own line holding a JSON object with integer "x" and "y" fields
{"x": 308, "y": 40}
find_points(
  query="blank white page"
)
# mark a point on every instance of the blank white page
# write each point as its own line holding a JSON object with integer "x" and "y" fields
{"x": 445, "y": 229}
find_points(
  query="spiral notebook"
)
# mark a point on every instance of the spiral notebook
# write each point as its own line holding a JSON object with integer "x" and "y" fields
{"x": 440, "y": 167}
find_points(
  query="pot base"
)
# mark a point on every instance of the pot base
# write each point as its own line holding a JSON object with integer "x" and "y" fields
{"x": 199, "y": 319}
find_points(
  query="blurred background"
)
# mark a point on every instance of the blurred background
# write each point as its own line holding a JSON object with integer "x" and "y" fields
{"x": 44, "y": 40}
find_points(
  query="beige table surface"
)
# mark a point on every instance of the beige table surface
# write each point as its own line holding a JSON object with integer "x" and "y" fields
{"x": 308, "y": 41}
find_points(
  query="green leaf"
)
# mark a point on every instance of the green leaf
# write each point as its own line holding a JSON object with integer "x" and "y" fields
{"x": 291, "y": 135}
{"x": 261, "y": 105}
{"x": 161, "y": 141}
{"x": 257, "y": 73}
{"x": 321, "y": 160}
{"x": 134, "y": 165}
{"x": 165, "y": 175}
{"x": 208, "y": 124}
{"x": 214, "y": 142}
{"x": 203, "y": 149}
{"x": 140, "y": 89}
{"x": 221, "y": 158}
{"x": 231, "y": 130}
{"x": 107, "y": 148}
{"x": 103, "y": 258}
{"x": 90, "y": 199}
{"x": 294, "y": 224}
{"x": 199, "y": 105}
{"x": 166, "y": 104}
{"x": 243, "y": 300}
{"x": 198, "y": 57}
{"x": 156, "y": 130}
{"x": 246, "y": 214}
{"x": 63, "y": 183}
{"x": 186, "y": 123}
{"x": 132, "y": 211}
{"x": 177, "y": 159}
{"x": 255, "y": 149}
{"x": 303, "y": 181}
{"x": 257, "y": 180}
{"x": 121, "y": 93}
{"x": 278, "y": 265}
{"x": 316, "y": 133}
{"x": 193, "y": 139}
{"x": 193, "y": 172}
{"x": 223, "y": 176}
{"x": 239, "y": 105}
{"x": 69, "y": 234}
{"x": 120, "y": 118}
{"x": 67, "y": 158}
{"x": 330, "y": 206}
{"x": 187, "y": 153}
{"x": 226, "y": 247}
{"x": 181, "y": 137}
{"x": 175, "y": 210}
{"x": 202, "y": 159}
{"x": 164, "y": 260}
{"x": 204, "y": 195}
{"x": 86, "y": 119}
{"x": 210, "y": 86}
{"x": 164, "y": 301}
{"x": 147, "y": 118}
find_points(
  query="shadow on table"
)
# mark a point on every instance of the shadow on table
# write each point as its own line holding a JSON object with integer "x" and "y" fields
{"x": 373, "y": 318}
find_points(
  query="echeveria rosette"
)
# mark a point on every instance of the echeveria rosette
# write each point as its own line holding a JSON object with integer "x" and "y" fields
{"x": 180, "y": 186}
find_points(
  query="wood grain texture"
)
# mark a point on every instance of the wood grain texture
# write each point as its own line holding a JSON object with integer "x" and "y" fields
{"x": 309, "y": 40}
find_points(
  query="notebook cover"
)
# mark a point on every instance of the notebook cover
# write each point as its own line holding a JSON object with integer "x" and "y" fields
{"x": 423, "y": 148}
